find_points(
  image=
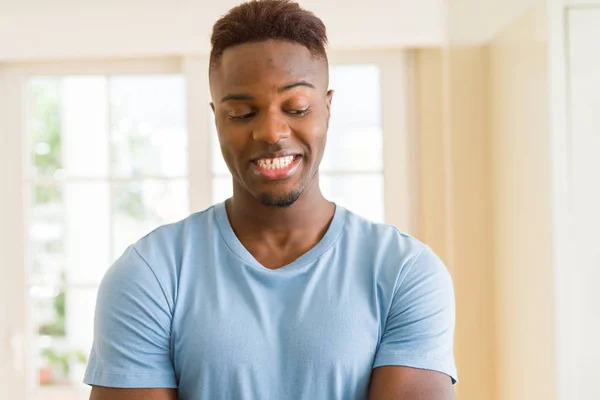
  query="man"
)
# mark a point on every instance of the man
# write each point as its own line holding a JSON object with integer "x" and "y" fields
{"x": 276, "y": 293}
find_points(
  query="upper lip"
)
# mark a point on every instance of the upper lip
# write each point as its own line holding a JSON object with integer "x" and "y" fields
{"x": 271, "y": 154}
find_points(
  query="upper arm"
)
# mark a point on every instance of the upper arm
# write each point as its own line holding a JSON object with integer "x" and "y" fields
{"x": 104, "y": 393}
{"x": 419, "y": 329}
{"x": 132, "y": 329}
{"x": 402, "y": 383}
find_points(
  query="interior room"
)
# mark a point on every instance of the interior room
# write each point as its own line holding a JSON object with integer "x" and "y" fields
{"x": 472, "y": 125}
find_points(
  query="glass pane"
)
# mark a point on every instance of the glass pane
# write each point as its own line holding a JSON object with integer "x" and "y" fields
{"x": 63, "y": 321}
{"x": 69, "y": 126}
{"x": 222, "y": 188}
{"x": 148, "y": 125}
{"x": 47, "y": 230}
{"x": 354, "y": 141}
{"x": 85, "y": 126}
{"x": 45, "y": 126}
{"x": 68, "y": 232}
{"x": 87, "y": 220}
{"x": 362, "y": 194}
{"x": 141, "y": 206}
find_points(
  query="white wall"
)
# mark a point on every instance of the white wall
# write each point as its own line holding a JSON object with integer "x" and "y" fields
{"x": 38, "y": 29}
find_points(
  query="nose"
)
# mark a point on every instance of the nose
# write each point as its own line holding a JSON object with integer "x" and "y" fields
{"x": 271, "y": 128}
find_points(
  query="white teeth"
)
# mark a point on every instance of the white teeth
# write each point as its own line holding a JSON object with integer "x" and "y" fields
{"x": 275, "y": 163}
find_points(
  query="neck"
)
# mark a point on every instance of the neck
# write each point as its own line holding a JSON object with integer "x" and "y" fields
{"x": 311, "y": 212}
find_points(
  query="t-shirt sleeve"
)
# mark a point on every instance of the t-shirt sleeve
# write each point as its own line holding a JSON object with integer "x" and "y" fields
{"x": 132, "y": 325}
{"x": 419, "y": 330}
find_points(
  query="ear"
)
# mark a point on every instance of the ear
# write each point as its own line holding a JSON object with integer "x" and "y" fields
{"x": 328, "y": 99}
{"x": 212, "y": 106}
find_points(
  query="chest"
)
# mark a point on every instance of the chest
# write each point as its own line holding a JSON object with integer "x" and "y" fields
{"x": 236, "y": 323}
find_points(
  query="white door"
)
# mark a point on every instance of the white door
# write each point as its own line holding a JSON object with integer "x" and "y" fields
{"x": 583, "y": 57}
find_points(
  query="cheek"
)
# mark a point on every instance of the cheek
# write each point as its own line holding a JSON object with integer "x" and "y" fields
{"x": 313, "y": 132}
{"x": 232, "y": 143}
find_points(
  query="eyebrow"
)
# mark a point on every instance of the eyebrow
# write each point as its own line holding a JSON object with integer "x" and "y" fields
{"x": 295, "y": 84}
{"x": 241, "y": 97}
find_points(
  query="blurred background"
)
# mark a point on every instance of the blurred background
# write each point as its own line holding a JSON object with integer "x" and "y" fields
{"x": 473, "y": 125}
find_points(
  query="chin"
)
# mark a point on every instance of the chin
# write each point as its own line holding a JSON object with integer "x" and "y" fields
{"x": 279, "y": 200}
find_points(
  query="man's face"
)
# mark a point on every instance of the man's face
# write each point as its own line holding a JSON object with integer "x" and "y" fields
{"x": 271, "y": 108}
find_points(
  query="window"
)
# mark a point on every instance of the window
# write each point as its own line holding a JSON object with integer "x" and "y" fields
{"x": 115, "y": 149}
{"x": 108, "y": 165}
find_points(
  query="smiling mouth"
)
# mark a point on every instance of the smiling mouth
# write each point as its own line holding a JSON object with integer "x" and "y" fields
{"x": 273, "y": 164}
{"x": 276, "y": 168}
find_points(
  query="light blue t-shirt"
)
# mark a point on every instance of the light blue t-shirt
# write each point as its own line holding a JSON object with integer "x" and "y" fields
{"x": 188, "y": 307}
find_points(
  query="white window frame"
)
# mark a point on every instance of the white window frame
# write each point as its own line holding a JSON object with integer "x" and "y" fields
{"x": 399, "y": 172}
{"x": 14, "y": 340}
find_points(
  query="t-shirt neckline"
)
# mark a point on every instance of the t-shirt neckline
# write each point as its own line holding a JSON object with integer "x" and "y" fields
{"x": 301, "y": 263}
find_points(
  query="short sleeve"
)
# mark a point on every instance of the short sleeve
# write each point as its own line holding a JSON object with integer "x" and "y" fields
{"x": 132, "y": 324}
{"x": 419, "y": 330}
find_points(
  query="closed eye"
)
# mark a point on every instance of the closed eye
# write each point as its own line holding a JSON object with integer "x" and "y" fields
{"x": 242, "y": 117}
{"x": 299, "y": 112}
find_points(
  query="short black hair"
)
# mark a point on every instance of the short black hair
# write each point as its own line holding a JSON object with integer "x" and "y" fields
{"x": 261, "y": 20}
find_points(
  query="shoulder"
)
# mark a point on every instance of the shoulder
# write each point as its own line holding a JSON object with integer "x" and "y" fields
{"x": 167, "y": 242}
{"x": 157, "y": 256}
{"x": 396, "y": 255}
{"x": 382, "y": 239}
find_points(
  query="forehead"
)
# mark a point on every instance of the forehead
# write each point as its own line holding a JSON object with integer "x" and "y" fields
{"x": 269, "y": 61}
